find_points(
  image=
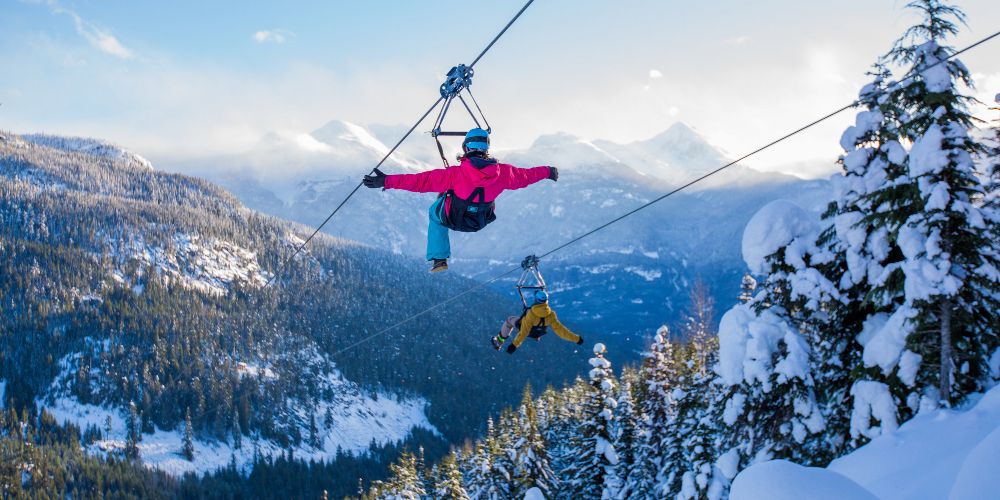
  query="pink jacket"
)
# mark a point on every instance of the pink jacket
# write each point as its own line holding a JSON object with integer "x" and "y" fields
{"x": 493, "y": 177}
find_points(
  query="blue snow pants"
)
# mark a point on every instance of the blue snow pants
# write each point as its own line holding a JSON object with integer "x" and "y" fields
{"x": 438, "y": 244}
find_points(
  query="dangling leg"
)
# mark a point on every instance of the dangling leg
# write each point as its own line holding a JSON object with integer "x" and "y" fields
{"x": 438, "y": 244}
{"x": 505, "y": 329}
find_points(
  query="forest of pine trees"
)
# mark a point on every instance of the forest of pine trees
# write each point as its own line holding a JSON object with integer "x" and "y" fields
{"x": 852, "y": 323}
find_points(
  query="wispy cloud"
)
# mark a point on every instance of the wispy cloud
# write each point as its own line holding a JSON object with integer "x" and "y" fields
{"x": 655, "y": 74}
{"x": 272, "y": 36}
{"x": 738, "y": 41}
{"x": 100, "y": 38}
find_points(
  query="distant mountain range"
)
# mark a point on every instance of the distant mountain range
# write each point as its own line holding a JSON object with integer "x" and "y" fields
{"x": 629, "y": 278}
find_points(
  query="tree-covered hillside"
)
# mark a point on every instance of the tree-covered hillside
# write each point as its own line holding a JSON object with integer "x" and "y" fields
{"x": 126, "y": 286}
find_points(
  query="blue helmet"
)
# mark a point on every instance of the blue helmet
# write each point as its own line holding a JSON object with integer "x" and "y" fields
{"x": 541, "y": 297}
{"x": 476, "y": 140}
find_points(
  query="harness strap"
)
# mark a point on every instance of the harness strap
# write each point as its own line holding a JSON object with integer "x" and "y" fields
{"x": 441, "y": 151}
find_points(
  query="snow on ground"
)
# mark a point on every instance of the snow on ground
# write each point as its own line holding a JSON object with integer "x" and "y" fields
{"x": 204, "y": 264}
{"x": 92, "y": 147}
{"x": 358, "y": 419}
{"x": 926, "y": 455}
{"x": 250, "y": 370}
{"x": 783, "y": 480}
{"x": 646, "y": 274}
{"x": 939, "y": 454}
{"x": 534, "y": 494}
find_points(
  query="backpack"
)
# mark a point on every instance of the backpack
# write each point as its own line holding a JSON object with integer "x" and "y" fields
{"x": 468, "y": 215}
{"x": 536, "y": 331}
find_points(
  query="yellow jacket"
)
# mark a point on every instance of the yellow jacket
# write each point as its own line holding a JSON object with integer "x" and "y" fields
{"x": 534, "y": 317}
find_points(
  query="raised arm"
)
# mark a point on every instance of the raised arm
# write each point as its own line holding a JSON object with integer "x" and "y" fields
{"x": 431, "y": 181}
{"x": 517, "y": 178}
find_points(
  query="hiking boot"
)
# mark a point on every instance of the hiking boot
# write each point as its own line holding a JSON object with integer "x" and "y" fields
{"x": 439, "y": 265}
{"x": 497, "y": 342}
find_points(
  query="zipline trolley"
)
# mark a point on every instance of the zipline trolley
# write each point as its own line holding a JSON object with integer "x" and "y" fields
{"x": 459, "y": 79}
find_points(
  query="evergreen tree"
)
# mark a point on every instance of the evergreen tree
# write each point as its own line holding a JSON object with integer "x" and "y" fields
{"x": 237, "y": 432}
{"x": 188, "y": 450}
{"x": 591, "y": 473}
{"x": 934, "y": 345}
{"x": 635, "y": 482}
{"x": 659, "y": 375}
{"x": 449, "y": 480}
{"x": 765, "y": 359}
{"x": 747, "y": 287}
{"x": 531, "y": 461}
{"x": 856, "y": 238}
{"x": 314, "y": 439}
{"x": 404, "y": 482}
{"x": 132, "y": 433}
{"x": 485, "y": 481}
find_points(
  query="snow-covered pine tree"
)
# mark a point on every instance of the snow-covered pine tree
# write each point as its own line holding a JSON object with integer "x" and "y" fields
{"x": 448, "y": 483}
{"x": 635, "y": 481}
{"x": 591, "y": 473}
{"x": 559, "y": 426}
{"x": 404, "y": 482}
{"x": 935, "y": 346}
{"x": 531, "y": 460}
{"x": 856, "y": 240}
{"x": 188, "y": 450}
{"x": 992, "y": 158}
{"x": 768, "y": 407}
{"x": 748, "y": 285}
{"x": 659, "y": 376}
{"x": 693, "y": 437}
{"x": 483, "y": 480}
{"x": 507, "y": 432}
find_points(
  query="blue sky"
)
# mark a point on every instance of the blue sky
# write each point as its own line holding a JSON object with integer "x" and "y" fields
{"x": 185, "y": 79}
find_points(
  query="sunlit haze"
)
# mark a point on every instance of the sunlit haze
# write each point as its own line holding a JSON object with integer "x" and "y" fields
{"x": 189, "y": 79}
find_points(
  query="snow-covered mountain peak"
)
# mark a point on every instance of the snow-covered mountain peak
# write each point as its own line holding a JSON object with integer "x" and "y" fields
{"x": 568, "y": 150}
{"x": 93, "y": 147}
{"x": 682, "y": 147}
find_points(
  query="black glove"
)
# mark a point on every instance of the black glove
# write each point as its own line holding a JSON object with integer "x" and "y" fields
{"x": 511, "y": 348}
{"x": 375, "y": 181}
{"x": 554, "y": 173}
{"x": 579, "y": 342}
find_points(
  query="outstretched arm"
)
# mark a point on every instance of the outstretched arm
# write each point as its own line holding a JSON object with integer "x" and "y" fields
{"x": 561, "y": 330}
{"x": 517, "y": 178}
{"x": 431, "y": 181}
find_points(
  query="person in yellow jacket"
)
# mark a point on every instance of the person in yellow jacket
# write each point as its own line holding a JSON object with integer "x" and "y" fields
{"x": 534, "y": 323}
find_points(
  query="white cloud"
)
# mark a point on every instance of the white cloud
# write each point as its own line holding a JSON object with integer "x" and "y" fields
{"x": 273, "y": 36}
{"x": 655, "y": 73}
{"x": 103, "y": 40}
{"x": 738, "y": 41}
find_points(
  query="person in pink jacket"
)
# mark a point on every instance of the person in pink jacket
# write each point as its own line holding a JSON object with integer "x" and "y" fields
{"x": 467, "y": 192}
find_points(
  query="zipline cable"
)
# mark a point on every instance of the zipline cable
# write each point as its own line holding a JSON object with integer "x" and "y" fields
{"x": 643, "y": 206}
{"x": 483, "y": 284}
{"x": 393, "y": 149}
{"x": 349, "y": 195}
